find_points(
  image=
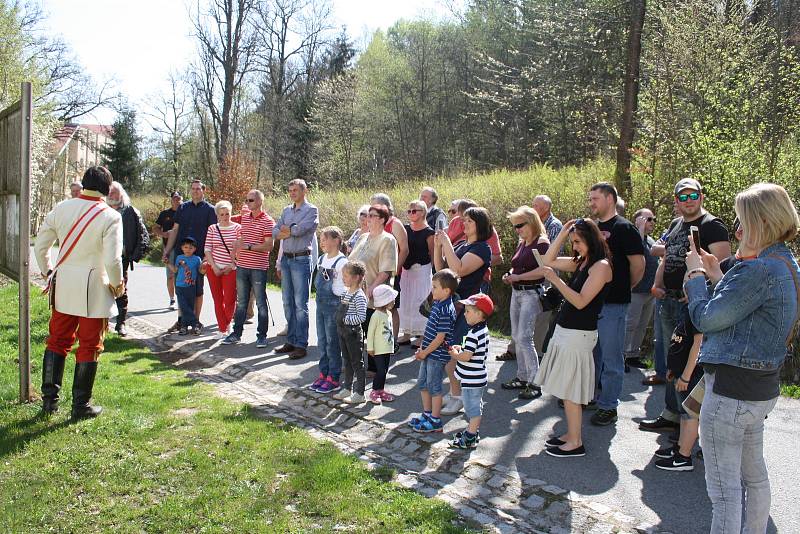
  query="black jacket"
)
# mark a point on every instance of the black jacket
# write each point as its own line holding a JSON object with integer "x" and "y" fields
{"x": 135, "y": 239}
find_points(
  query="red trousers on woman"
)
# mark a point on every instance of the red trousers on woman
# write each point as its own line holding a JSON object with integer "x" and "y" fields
{"x": 223, "y": 291}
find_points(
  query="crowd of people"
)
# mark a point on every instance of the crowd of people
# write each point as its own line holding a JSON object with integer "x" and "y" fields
{"x": 583, "y": 293}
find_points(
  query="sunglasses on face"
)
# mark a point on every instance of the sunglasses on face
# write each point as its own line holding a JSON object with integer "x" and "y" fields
{"x": 519, "y": 226}
{"x": 683, "y": 197}
{"x": 411, "y": 212}
{"x": 650, "y": 219}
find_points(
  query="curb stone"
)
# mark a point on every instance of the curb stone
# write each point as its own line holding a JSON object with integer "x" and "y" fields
{"x": 476, "y": 490}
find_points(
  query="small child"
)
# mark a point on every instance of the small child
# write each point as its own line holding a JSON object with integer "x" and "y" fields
{"x": 330, "y": 288}
{"x": 352, "y": 311}
{"x": 186, "y": 269}
{"x": 684, "y": 347}
{"x": 433, "y": 352}
{"x": 471, "y": 367}
{"x": 380, "y": 341}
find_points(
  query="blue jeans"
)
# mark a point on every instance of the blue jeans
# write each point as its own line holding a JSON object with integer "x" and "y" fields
{"x": 609, "y": 357}
{"x": 295, "y": 289}
{"x": 732, "y": 434}
{"x": 473, "y": 401}
{"x": 659, "y": 356}
{"x": 669, "y": 312}
{"x": 330, "y": 355}
{"x": 186, "y": 296}
{"x": 245, "y": 280}
{"x": 431, "y": 376}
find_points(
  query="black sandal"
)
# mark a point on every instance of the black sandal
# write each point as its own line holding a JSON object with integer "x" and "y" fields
{"x": 506, "y": 357}
{"x": 515, "y": 383}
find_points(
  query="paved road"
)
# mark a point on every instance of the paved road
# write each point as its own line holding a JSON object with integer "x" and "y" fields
{"x": 618, "y": 468}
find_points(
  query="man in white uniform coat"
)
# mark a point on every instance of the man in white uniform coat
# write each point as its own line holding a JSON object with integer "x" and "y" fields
{"x": 87, "y": 277}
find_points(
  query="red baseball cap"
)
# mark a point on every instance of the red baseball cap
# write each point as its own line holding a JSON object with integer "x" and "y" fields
{"x": 481, "y": 301}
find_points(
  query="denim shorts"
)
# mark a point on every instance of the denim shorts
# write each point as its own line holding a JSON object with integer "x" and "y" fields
{"x": 431, "y": 376}
{"x": 473, "y": 401}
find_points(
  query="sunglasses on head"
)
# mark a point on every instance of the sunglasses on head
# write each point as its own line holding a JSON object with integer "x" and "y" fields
{"x": 683, "y": 197}
{"x": 519, "y": 226}
{"x": 578, "y": 222}
{"x": 412, "y": 211}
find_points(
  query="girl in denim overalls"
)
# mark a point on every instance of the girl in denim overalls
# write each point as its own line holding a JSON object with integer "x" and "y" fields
{"x": 330, "y": 287}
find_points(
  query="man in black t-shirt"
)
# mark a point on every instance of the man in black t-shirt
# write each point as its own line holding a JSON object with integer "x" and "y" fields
{"x": 668, "y": 286}
{"x": 627, "y": 261}
{"x": 161, "y": 228}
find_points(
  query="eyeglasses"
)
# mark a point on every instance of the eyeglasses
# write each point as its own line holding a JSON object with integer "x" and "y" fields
{"x": 686, "y": 196}
{"x": 251, "y": 200}
{"x": 411, "y": 212}
{"x": 519, "y": 226}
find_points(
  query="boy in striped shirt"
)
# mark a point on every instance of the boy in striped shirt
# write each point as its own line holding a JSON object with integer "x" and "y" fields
{"x": 471, "y": 367}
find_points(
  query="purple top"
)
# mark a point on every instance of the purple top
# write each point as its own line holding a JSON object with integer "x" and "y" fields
{"x": 524, "y": 262}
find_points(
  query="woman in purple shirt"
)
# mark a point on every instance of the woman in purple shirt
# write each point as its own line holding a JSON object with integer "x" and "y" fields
{"x": 525, "y": 279}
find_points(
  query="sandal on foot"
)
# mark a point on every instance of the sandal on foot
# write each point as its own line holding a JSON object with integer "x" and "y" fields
{"x": 505, "y": 357}
{"x": 514, "y": 383}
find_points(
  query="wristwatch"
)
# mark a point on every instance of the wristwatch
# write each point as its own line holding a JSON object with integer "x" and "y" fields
{"x": 249, "y": 247}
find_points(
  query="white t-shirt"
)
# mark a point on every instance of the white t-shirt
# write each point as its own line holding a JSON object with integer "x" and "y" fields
{"x": 338, "y": 281}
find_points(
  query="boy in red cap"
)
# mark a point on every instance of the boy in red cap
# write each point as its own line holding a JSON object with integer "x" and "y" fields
{"x": 471, "y": 367}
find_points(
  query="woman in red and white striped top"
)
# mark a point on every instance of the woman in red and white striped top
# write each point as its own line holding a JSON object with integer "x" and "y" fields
{"x": 220, "y": 241}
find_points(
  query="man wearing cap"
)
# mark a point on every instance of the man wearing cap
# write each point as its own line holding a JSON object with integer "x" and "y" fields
{"x": 162, "y": 228}
{"x": 668, "y": 285}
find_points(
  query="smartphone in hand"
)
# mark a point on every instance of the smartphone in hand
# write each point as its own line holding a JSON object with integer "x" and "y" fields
{"x": 694, "y": 231}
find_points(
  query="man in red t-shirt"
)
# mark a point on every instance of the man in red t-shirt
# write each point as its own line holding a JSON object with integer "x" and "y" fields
{"x": 252, "y": 261}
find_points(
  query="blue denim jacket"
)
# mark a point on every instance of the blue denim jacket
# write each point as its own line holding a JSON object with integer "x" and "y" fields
{"x": 746, "y": 321}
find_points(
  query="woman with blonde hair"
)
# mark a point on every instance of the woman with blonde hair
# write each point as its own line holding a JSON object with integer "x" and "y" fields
{"x": 221, "y": 272}
{"x": 415, "y": 283}
{"x": 748, "y": 320}
{"x": 526, "y": 278}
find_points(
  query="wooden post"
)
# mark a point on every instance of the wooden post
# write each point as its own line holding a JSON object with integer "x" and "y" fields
{"x": 26, "y": 112}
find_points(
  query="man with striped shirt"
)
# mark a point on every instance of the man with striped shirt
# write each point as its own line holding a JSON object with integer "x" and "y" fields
{"x": 252, "y": 261}
{"x": 471, "y": 367}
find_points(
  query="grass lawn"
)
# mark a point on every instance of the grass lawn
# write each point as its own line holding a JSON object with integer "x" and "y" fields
{"x": 169, "y": 455}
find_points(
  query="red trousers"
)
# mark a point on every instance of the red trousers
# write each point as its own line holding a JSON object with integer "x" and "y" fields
{"x": 223, "y": 291}
{"x": 89, "y": 331}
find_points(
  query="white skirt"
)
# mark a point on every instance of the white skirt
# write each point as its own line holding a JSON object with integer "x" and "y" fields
{"x": 415, "y": 286}
{"x": 567, "y": 369}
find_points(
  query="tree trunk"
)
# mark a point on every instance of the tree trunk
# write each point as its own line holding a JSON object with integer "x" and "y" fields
{"x": 626, "y": 130}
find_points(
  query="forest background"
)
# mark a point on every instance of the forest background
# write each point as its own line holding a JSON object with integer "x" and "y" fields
{"x": 504, "y": 100}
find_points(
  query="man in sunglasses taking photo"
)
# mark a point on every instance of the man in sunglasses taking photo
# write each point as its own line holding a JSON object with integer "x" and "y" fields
{"x": 668, "y": 286}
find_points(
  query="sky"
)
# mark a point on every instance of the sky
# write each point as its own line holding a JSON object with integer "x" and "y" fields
{"x": 138, "y": 43}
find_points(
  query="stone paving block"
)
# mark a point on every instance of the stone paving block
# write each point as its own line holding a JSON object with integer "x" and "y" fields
{"x": 428, "y": 491}
{"x": 406, "y": 481}
{"x": 554, "y": 490}
{"x": 411, "y": 448}
{"x": 476, "y": 472}
{"x": 534, "y": 502}
{"x": 465, "y": 511}
{"x": 484, "y": 519}
{"x": 622, "y": 518}
{"x": 496, "y": 481}
{"x": 557, "y": 509}
{"x": 602, "y": 528}
{"x": 534, "y": 482}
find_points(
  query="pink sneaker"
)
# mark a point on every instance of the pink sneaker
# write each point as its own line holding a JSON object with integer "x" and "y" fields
{"x": 317, "y": 383}
{"x": 328, "y": 386}
{"x": 375, "y": 397}
{"x": 385, "y": 396}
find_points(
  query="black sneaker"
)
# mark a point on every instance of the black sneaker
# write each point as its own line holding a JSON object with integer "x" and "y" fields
{"x": 604, "y": 417}
{"x": 659, "y": 424}
{"x": 554, "y": 442}
{"x": 174, "y": 328}
{"x": 676, "y": 463}
{"x": 667, "y": 452}
{"x": 591, "y": 406}
{"x": 561, "y": 453}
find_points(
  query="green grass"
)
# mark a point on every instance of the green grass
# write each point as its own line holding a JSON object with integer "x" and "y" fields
{"x": 790, "y": 390}
{"x": 169, "y": 455}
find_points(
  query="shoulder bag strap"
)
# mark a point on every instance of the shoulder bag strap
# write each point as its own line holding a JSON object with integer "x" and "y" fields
{"x": 223, "y": 241}
{"x": 796, "y": 325}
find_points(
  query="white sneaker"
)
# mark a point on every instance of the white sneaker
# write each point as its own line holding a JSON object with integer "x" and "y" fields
{"x": 354, "y": 398}
{"x": 342, "y": 394}
{"x": 453, "y": 406}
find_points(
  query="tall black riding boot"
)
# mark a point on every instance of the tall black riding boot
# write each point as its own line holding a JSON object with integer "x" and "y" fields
{"x": 82, "y": 391}
{"x": 52, "y": 376}
{"x": 122, "y": 314}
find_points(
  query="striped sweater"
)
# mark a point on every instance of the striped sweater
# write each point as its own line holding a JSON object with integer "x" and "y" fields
{"x": 472, "y": 374}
